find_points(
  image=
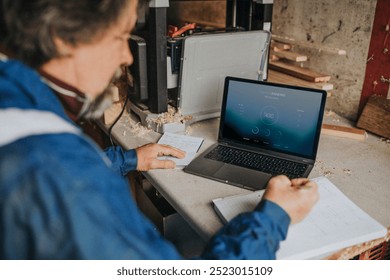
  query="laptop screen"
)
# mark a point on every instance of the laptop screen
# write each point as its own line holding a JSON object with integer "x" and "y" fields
{"x": 281, "y": 118}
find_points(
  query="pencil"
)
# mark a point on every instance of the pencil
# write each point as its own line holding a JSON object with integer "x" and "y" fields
{"x": 303, "y": 185}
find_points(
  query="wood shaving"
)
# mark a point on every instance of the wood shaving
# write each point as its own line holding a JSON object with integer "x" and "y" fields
{"x": 327, "y": 173}
{"x": 171, "y": 116}
{"x": 132, "y": 126}
{"x": 329, "y": 113}
{"x": 324, "y": 170}
{"x": 347, "y": 171}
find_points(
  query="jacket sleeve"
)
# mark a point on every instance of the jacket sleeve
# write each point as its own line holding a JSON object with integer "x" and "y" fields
{"x": 122, "y": 161}
{"x": 253, "y": 235}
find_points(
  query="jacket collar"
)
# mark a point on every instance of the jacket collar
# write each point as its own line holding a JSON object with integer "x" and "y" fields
{"x": 22, "y": 87}
{"x": 73, "y": 100}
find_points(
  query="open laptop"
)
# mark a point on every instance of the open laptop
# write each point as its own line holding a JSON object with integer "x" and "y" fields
{"x": 265, "y": 129}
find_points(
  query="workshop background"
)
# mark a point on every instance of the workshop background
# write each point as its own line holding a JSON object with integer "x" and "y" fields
{"x": 345, "y": 44}
{"x": 322, "y": 30}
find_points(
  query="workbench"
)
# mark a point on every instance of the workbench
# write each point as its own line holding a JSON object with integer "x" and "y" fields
{"x": 359, "y": 168}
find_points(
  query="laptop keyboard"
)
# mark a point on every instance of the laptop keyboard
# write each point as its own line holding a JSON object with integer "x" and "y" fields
{"x": 267, "y": 164}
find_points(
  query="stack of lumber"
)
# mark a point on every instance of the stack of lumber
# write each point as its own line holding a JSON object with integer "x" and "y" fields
{"x": 283, "y": 68}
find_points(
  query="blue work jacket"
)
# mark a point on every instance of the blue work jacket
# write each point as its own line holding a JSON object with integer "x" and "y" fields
{"x": 61, "y": 197}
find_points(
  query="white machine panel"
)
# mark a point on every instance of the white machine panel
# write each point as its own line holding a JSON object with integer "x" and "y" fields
{"x": 208, "y": 59}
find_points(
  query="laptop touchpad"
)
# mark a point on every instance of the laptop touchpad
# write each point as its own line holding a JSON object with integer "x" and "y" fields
{"x": 243, "y": 177}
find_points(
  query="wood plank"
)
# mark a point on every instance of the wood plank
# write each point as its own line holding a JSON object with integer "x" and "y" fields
{"x": 299, "y": 72}
{"x": 304, "y": 44}
{"x": 279, "y": 46}
{"x": 290, "y": 55}
{"x": 343, "y": 131}
{"x": 281, "y": 78}
{"x": 375, "y": 116}
{"x": 273, "y": 58}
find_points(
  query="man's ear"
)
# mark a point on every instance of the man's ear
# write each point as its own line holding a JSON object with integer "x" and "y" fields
{"x": 63, "y": 48}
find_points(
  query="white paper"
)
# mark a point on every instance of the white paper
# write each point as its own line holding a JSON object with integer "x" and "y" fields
{"x": 189, "y": 144}
{"x": 334, "y": 223}
{"x": 229, "y": 207}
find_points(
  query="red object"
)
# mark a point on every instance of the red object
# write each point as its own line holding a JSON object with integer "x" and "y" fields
{"x": 175, "y": 32}
{"x": 171, "y": 30}
{"x": 377, "y": 76}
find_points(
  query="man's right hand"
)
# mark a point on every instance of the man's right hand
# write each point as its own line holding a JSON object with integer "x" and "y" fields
{"x": 297, "y": 196}
{"x": 148, "y": 156}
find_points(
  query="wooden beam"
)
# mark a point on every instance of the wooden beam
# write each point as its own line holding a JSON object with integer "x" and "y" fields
{"x": 304, "y": 44}
{"x": 281, "y": 78}
{"x": 343, "y": 131}
{"x": 290, "y": 55}
{"x": 299, "y": 72}
{"x": 277, "y": 46}
{"x": 273, "y": 57}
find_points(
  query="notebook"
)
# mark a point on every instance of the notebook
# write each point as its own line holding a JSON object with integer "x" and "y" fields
{"x": 265, "y": 129}
{"x": 189, "y": 144}
{"x": 334, "y": 223}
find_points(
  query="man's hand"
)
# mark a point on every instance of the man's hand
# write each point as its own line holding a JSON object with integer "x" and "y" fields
{"x": 147, "y": 156}
{"x": 296, "y": 197}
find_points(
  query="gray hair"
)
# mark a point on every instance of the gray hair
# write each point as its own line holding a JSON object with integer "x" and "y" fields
{"x": 31, "y": 26}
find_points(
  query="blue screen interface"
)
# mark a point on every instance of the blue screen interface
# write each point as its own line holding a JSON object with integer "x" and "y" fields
{"x": 280, "y": 118}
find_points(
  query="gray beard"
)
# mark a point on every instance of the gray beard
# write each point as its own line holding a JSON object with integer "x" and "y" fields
{"x": 94, "y": 109}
